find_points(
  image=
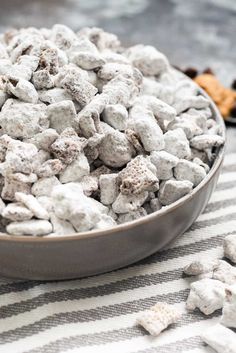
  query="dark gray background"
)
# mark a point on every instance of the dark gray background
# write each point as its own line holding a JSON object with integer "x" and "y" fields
{"x": 197, "y": 33}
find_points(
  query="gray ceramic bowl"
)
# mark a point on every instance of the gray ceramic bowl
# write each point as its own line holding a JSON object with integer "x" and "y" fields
{"x": 95, "y": 252}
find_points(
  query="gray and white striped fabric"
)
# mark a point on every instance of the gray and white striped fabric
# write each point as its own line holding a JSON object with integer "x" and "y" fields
{"x": 98, "y": 314}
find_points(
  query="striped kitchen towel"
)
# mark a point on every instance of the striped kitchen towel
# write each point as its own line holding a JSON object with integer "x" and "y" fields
{"x": 98, "y": 314}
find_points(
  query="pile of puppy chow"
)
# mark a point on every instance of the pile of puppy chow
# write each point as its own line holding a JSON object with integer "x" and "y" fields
{"x": 94, "y": 134}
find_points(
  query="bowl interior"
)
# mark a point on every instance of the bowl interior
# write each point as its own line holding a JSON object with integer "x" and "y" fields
{"x": 219, "y": 152}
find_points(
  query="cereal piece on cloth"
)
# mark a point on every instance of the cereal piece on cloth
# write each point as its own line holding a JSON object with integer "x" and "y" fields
{"x": 137, "y": 177}
{"x": 229, "y": 308}
{"x": 32, "y": 227}
{"x": 186, "y": 170}
{"x": 158, "y": 318}
{"x": 224, "y": 272}
{"x": 32, "y": 204}
{"x": 108, "y": 188}
{"x": 199, "y": 267}
{"x": 230, "y": 247}
{"x": 220, "y": 338}
{"x": 164, "y": 163}
{"x": 207, "y": 294}
{"x": 172, "y": 190}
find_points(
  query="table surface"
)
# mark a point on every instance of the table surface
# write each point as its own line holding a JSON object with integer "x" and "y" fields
{"x": 190, "y": 33}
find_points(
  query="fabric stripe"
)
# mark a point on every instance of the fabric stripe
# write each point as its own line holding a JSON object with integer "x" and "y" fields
{"x": 226, "y": 185}
{"x": 188, "y": 344}
{"x": 229, "y": 168}
{"x": 229, "y": 159}
{"x": 114, "y": 336}
{"x": 24, "y": 285}
{"x": 187, "y": 238}
{"x": 141, "y": 343}
{"x": 104, "y": 337}
{"x": 223, "y": 195}
{"x": 114, "y": 287}
{"x": 145, "y": 269}
{"x": 124, "y": 320}
{"x": 226, "y": 177}
{"x": 98, "y": 314}
{"x": 220, "y": 204}
{"x": 18, "y": 285}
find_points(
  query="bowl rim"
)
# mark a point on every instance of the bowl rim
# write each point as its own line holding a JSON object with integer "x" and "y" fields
{"x": 143, "y": 220}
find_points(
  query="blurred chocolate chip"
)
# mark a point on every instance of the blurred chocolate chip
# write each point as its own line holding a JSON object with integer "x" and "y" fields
{"x": 233, "y": 111}
{"x": 208, "y": 70}
{"x": 233, "y": 85}
{"x": 191, "y": 72}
